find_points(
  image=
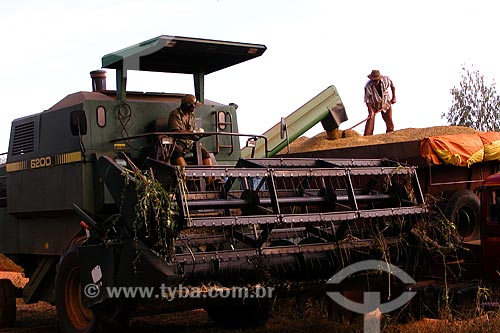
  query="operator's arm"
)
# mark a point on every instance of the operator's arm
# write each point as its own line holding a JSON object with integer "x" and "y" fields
{"x": 393, "y": 89}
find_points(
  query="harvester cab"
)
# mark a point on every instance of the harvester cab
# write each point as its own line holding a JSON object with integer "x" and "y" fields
{"x": 181, "y": 55}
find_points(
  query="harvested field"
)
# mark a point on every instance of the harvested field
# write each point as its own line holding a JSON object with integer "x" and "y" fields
{"x": 352, "y": 138}
{"x": 311, "y": 317}
{"x": 292, "y": 315}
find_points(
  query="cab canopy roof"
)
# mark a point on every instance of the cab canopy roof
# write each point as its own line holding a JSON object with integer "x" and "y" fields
{"x": 173, "y": 54}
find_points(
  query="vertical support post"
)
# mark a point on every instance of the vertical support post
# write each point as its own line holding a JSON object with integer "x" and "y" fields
{"x": 350, "y": 191}
{"x": 121, "y": 84}
{"x": 199, "y": 161}
{"x": 199, "y": 86}
{"x": 416, "y": 185}
{"x": 273, "y": 195}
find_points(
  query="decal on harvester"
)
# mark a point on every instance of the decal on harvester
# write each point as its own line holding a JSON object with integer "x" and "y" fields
{"x": 16, "y": 166}
{"x": 40, "y": 162}
{"x": 46, "y": 161}
{"x": 68, "y": 158}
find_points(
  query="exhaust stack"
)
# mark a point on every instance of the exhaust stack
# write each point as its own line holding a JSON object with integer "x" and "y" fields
{"x": 98, "y": 80}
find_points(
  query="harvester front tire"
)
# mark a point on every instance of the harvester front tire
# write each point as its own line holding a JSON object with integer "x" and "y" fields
{"x": 463, "y": 210}
{"x": 111, "y": 316}
{"x": 7, "y": 303}
{"x": 72, "y": 315}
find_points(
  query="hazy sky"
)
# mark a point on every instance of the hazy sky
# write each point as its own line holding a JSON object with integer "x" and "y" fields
{"x": 49, "y": 48}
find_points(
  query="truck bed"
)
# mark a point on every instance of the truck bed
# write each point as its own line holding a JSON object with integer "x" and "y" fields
{"x": 403, "y": 152}
{"x": 434, "y": 178}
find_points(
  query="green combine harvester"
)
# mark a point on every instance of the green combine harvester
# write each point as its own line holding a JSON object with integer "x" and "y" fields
{"x": 89, "y": 203}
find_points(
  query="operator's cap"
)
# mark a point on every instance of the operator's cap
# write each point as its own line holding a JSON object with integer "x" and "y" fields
{"x": 189, "y": 101}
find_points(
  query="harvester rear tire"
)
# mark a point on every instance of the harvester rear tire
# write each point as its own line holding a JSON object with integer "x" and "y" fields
{"x": 463, "y": 210}
{"x": 242, "y": 316}
{"x": 7, "y": 303}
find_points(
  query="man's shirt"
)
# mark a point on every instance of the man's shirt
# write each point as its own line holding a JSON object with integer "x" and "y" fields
{"x": 179, "y": 121}
{"x": 379, "y": 99}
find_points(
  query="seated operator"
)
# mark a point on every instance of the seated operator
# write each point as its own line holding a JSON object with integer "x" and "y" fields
{"x": 182, "y": 120}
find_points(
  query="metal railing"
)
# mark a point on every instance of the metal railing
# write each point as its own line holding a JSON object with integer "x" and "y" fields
{"x": 197, "y": 135}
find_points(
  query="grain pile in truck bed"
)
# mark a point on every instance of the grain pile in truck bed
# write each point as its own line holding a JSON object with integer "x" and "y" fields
{"x": 353, "y": 138}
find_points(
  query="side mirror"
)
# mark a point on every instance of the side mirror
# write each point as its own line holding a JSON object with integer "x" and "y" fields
{"x": 78, "y": 123}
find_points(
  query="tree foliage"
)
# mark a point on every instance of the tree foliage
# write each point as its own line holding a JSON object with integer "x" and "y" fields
{"x": 475, "y": 104}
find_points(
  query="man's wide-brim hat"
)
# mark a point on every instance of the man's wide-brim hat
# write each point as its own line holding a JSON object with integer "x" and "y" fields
{"x": 375, "y": 75}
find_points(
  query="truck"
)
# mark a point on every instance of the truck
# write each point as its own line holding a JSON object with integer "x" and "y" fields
{"x": 452, "y": 185}
{"x": 106, "y": 228}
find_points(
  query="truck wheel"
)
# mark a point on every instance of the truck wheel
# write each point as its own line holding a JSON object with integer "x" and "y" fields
{"x": 73, "y": 316}
{"x": 241, "y": 316}
{"x": 7, "y": 303}
{"x": 463, "y": 210}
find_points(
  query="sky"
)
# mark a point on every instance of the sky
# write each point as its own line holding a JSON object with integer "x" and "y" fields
{"x": 49, "y": 48}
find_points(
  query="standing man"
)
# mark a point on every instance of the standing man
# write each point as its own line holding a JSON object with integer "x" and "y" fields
{"x": 379, "y": 98}
{"x": 182, "y": 120}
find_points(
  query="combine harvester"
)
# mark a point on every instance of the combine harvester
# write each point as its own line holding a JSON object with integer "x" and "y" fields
{"x": 89, "y": 199}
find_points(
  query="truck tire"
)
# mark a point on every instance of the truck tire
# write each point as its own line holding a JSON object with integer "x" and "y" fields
{"x": 463, "y": 210}
{"x": 7, "y": 303}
